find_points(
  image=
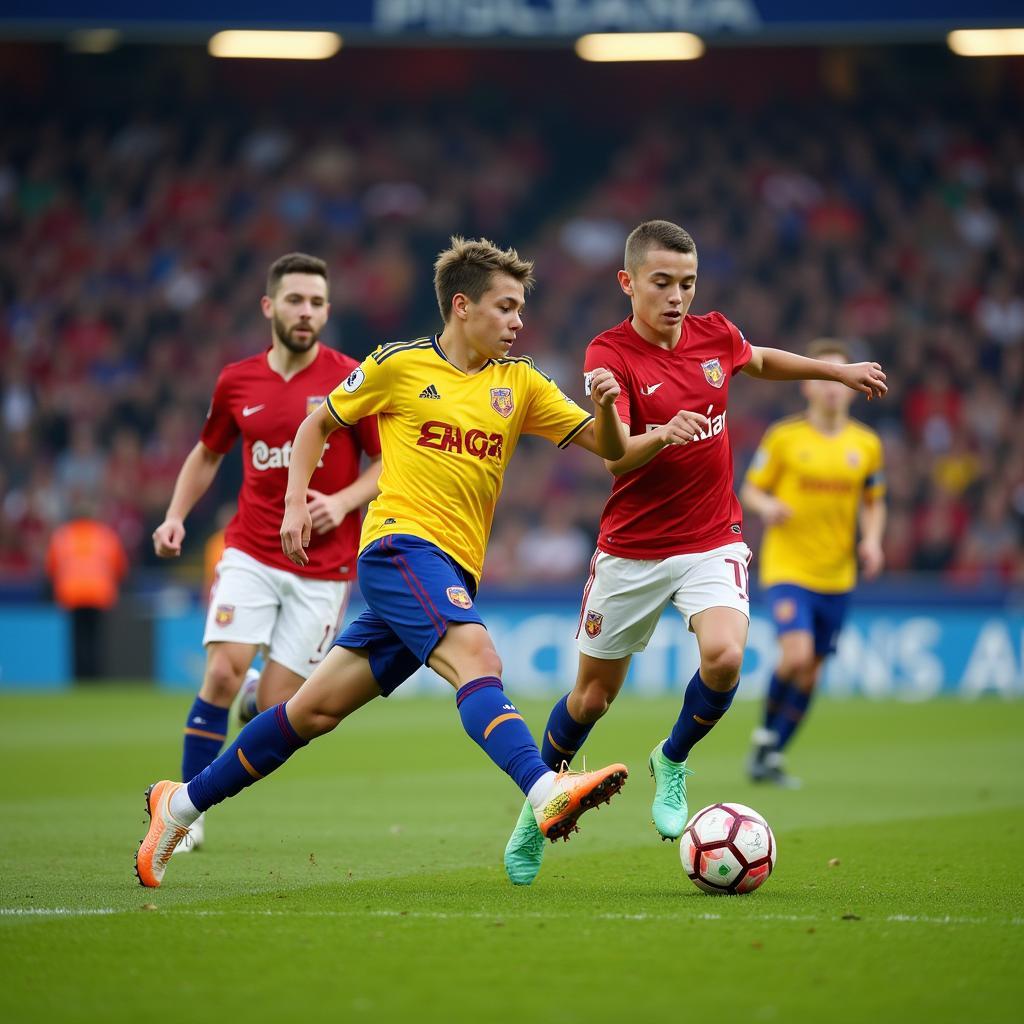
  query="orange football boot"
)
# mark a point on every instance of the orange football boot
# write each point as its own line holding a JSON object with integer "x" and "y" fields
{"x": 575, "y": 793}
{"x": 163, "y": 836}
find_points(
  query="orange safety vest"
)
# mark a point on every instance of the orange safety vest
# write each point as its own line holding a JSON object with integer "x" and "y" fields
{"x": 86, "y": 562}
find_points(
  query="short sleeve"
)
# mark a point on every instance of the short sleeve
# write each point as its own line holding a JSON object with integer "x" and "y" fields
{"x": 608, "y": 358}
{"x": 552, "y": 413}
{"x": 741, "y": 350}
{"x": 874, "y": 481}
{"x": 368, "y": 436}
{"x": 364, "y": 392}
{"x": 766, "y": 465}
{"x": 220, "y": 431}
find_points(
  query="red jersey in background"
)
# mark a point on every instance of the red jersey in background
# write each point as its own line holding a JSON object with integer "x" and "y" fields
{"x": 253, "y": 401}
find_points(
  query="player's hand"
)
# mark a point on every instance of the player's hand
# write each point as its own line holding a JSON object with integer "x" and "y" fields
{"x": 774, "y": 512}
{"x": 326, "y": 510}
{"x": 295, "y": 530}
{"x": 167, "y": 538}
{"x": 866, "y": 377}
{"x": 872, "y": 559}
{"x": 684, "y": 427}
{"x": 603, "y": 387}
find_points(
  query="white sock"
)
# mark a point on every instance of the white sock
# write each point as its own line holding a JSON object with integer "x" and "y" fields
{"x": 541, "y": 790}
{"x": 181, "y": 807}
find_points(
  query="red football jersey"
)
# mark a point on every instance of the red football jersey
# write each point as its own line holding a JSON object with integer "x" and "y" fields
{"x": 252, "y": 400}
{"x": 681, "y": 501}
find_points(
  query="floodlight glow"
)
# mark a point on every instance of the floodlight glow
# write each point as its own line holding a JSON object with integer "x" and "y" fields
{"x": 987, "y": 42}
{"x": 94, "y": 40}
{"x": 275, "y": 45}
{"x": 619, "y": 46}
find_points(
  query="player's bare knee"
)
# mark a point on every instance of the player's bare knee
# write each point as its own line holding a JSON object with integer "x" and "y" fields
{"x": 221, "y": 681}
{"x": 798, "y": 670}
{"x": 720, "y": 667}
{"x": 593, "y": 702}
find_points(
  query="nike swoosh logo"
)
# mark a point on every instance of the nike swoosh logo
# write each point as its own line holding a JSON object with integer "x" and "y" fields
{"x": 250, "y": 409}
{"x": 652, "y": 388}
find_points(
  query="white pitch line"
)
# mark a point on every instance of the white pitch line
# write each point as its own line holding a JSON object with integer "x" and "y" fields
{"x": 442, "y": 915}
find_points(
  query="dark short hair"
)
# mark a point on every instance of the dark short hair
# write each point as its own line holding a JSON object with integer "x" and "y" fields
{"x": 828, "y": 347}
{"x": 294, "y": 263}
{"x": 467, "y": 266}
{"x": 656, "y": 234}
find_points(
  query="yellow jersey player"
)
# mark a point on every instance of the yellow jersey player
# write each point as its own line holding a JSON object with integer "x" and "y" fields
{"x": 812, "y": 477}
{"x": 451, "y": 409}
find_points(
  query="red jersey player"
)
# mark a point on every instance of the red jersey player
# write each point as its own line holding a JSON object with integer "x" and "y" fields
{"x": 261, "y": 599}
{"x": 671, "y": 531}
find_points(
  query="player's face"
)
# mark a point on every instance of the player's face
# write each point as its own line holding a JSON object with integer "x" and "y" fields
{"x": 492, "y": 323}
{"x": 298, "y": 310}
{"x": 828, "y": 397}
{"x": 661, "y": 290}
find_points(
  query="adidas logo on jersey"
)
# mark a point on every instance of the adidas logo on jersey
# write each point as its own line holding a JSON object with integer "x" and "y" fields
{"x": 430, "y": 392}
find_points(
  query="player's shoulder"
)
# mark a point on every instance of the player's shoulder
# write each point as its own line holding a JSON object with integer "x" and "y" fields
{"x": 402, "y": 351}
{"x": 521, "y": 365}
{"x": 863, "y": 433}
{"x": 787, "y": 428}
{"x": 333, "y": 358}
{"x": 247, "y": 367}
{"x": 612, "y": 335}
{"x": 711, "y": 323}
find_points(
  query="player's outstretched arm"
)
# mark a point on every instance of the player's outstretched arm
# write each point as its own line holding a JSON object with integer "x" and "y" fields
{"x": 776, "y": 364}
{"x": 606, "y": 435}
{"x": 328, "y": 511}
{"x": 194, "y": 477}
{"x": 307, "y": 448}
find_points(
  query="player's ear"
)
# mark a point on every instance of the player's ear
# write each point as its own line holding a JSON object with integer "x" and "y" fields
{"x": 625, "y": 282}
{"x": 460, "y": 305}
{"x": 267, "y": 305}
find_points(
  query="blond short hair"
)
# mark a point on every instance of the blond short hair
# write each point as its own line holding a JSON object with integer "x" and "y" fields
{"x": 467, "y": 266}
{"x": 828, "y": 347}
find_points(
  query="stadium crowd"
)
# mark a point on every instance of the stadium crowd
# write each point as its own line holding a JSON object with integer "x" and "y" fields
{"x": 133, "y": 254}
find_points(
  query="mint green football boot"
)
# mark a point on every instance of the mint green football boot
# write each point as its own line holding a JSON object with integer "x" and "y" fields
{"x": 669, "y": 808}
{"x": 525, "y": 848}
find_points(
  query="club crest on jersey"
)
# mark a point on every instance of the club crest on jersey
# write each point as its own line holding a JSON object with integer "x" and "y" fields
{"x": 459, "y": 597}
{"x": 313, "y": 402}
{"x": 224, "y": 615}
{"x": 853, "y": 459}
{"x": 713, "y": 372}
{"x": 593, "y": 624}
{"x": 501, "y": 401}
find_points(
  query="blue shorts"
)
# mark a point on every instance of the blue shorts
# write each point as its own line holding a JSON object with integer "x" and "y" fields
{"x": 413, "y": 590}
{"x": 822, "y": 615}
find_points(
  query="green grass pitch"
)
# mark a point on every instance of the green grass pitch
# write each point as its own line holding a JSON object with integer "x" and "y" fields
{"x": 364, "y": 880}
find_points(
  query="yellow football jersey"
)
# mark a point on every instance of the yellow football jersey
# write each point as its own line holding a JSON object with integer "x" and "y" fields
{"x": 446, "y": 438}
{"x": 823, "y": 479}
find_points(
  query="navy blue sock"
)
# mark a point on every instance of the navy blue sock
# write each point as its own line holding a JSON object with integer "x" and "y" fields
{"x": 775, "y": 698}
{"x": 261, "y": 747}
{"x": 563, "y": 736}
{"x": 702, "y": 708}
{"x": 206, "y": 729}
{"x": 492, "y": 721}
{"x": 790, "y": 715}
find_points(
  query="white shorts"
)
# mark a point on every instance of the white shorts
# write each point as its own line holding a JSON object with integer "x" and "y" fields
{"x": 292, "y": 617}
{"x": 624, "y": 597}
